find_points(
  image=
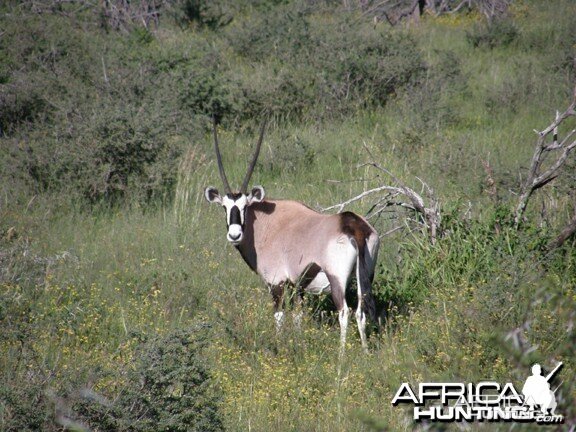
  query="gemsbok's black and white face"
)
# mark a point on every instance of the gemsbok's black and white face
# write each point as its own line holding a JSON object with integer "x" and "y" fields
{"x": 235, "y": 205}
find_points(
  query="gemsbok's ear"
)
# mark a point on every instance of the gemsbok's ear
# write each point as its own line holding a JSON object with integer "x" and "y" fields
{"x": 256, "y": 195}
{"x": 212, "y": 195}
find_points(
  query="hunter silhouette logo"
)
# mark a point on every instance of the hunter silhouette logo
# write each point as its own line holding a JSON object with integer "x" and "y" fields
{"x": 537, "y": 390}
{"x": 485, "y": 401}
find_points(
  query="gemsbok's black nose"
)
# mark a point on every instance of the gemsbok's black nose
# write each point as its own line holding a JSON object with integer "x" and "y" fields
{"x": 234, "y": 237}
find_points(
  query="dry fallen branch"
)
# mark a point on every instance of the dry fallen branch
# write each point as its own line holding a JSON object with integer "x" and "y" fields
{"x": 537, "y": 177}
{"x": 430, "y": 215}
{"x": 364, "y": 194}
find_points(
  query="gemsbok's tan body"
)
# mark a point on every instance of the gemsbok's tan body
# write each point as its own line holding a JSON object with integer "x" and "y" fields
{"x": 288, "y": 243}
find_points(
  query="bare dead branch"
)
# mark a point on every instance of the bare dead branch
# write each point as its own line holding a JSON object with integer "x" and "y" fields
{"x": 536, "y": 177}
{"x": 392, "y": 231}
{"x": 430, "y": 215}
{"x": 341, "y": 205}
{"x": 556, "y": 146}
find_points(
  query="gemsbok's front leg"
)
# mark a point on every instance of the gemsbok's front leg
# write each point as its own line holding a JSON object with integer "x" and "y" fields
{"x": 277, "y": 292}
{"x": 297, "y": 311}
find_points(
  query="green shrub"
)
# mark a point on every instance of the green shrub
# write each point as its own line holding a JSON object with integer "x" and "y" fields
{"x": 210, "y": 14}
{"x": 23, "y": 406}
{"x": 174, "y": 391}
{"x": 496, "y": 33}
{"x": 169, "y": 388}
{"x": 103, "y": 118}
{"x": 281, "y": 33}
{"x": 308, "y": 64}
{"x": 361, "y": 66}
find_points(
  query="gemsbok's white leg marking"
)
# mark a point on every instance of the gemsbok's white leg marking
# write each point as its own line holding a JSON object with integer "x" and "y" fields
{"x": 343, "y": 320}
{"x": 279, "y": 320}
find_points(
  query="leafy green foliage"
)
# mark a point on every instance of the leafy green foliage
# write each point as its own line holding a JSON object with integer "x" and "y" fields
{"x": 300, "y": 49}
{"x": 495, "y": 33}
{"x": 169, "y": 388}
{"x": 115, "y": 113}
{"x": 111, "y": 126}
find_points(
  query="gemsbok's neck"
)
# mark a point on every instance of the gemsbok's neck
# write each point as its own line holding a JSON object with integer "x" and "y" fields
{"x": 256, "y": 220}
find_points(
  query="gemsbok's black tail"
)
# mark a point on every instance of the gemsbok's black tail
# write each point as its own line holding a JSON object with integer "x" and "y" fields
{"x": 360, "y": 232}
{"x": 364, "y": 281}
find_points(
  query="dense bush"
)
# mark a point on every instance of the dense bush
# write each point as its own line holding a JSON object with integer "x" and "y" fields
{"x": 105, "y": 117}
{"x": 498, "y": 32}
{"x": 308, "y": 64}
{"x": 169, "y": 389}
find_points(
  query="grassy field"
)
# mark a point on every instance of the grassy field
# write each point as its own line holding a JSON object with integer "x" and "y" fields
{"x": 135, "y": 314}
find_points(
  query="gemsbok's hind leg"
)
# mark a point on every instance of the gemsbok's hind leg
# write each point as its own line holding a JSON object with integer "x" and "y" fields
{"x": 360, "y": 314}
{"x": 361, "y": 320}
{"x": 371, "y": 255}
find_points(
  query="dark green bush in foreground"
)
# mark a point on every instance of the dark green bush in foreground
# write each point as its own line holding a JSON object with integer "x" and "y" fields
{"x": 171, "y": 388}
{"x": 168, "y": 388}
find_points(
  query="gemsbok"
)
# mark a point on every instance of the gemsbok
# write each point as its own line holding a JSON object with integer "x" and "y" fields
{"x": 289, "y": 244}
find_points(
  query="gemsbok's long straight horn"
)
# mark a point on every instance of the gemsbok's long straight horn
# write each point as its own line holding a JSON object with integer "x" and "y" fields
{"x": 244, "y": 188}
{"x": 219, "y": 159}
